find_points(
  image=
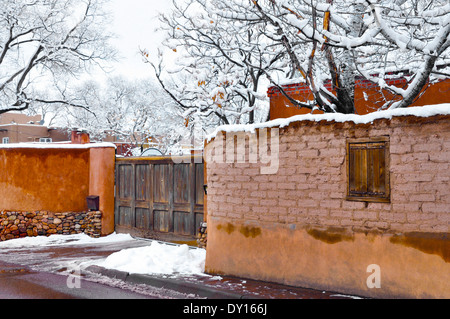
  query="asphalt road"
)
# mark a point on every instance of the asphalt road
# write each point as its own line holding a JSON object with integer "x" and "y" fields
{"x": 53, "y": 273}
{"x": 56, "y": 271}
{"x": 21, "y": 283}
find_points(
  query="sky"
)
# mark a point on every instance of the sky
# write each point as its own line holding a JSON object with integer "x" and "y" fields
{"x": 134, "y": 24}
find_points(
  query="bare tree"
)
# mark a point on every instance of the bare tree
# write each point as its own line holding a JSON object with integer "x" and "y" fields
{"x": 373, "y": 39}
{"x": 131, "y": 110}
{"x": 221, "y": 66}
{"x": 42, "y": 41}
{"x": 311, "y": 41}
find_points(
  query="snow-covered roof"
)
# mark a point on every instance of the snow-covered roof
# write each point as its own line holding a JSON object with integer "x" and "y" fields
{"x": 419, "y": 111}
{"x": 57, "y": 145}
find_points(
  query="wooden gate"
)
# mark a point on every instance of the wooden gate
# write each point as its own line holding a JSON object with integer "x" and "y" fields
{"x": 158, "y": 197}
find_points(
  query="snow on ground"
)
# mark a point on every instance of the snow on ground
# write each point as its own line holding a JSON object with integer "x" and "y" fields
{"x": 155, "y": 258}
{"x": 58, "y": 240}
{"x": 158, "y": 258}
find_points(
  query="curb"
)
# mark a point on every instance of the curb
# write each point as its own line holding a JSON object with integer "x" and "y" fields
{"x": 168, "y": 283}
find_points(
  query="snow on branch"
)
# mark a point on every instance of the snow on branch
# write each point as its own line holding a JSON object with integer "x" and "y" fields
{"x": 47, "y": 40}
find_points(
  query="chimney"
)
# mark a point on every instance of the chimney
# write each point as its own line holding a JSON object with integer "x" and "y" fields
{"x": 80, "y": 137}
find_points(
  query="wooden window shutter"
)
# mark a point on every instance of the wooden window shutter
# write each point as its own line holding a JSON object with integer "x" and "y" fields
{"x": 367, "y": 169}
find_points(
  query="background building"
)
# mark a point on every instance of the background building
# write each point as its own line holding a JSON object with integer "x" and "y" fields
{"x": 21, "y": 128}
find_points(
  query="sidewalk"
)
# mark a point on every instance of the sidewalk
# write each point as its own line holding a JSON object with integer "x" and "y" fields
{"x": 219, "y": 287}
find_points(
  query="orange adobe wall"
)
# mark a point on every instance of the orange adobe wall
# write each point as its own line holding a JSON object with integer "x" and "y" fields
{"x": 58, "y": 180}
{"x": 368, "y": 97}
{"x": 55, "y": 180}
{"x": 101, "y": 183}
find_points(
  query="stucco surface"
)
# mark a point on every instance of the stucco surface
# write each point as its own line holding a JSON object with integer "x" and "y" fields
{"x": 296, "y": 225}
{"x": 44, "y": 179}
{"x": 307, "y": 257}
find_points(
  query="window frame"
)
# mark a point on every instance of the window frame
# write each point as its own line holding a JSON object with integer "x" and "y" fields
{"x": 45, "y": 140}
{"x": 5, "y": 139}
{"x": 370, "y": 197}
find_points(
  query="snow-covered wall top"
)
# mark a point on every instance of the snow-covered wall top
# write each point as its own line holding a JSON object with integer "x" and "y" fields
{"x": 420, "y": 111}
{"x": 56, "y": 145}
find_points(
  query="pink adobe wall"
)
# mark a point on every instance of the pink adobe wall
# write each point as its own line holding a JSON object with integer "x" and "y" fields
{"x": 296, "y": 227}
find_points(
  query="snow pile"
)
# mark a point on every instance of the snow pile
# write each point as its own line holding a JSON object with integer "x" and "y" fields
{"x": 158, "y": 258}
{"x": 60, "y": 240}
{"x": 419, "y": 111}
{"x": 155, "y": 258}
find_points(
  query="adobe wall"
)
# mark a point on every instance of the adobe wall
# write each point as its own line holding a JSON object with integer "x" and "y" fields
{"x": 296, "y": 227}
{"x": 368, "y": 97}
{"x": 57, "y": 179}
{"x": 101, "y": 183}
{"x": 19, "y": 118}
{"x": 18, "y": 133}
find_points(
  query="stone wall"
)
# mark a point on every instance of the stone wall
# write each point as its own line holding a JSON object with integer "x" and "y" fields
{"x": 297, "y": 227}
{"x": 43, "y": 223}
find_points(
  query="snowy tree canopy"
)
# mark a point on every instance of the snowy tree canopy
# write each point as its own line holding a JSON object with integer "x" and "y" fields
{"x": 130, "y": 110}
{"x": 215, "y": 81}
{"x": 43, "y": 41}
{"x": 227, "y": 45}
{"x": 373, "y": 39}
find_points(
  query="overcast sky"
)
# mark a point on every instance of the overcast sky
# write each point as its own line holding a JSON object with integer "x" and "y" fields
{"x": 135, "y": 23}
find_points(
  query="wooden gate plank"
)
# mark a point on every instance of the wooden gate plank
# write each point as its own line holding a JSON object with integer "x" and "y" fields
{"x": 159, "y": 195}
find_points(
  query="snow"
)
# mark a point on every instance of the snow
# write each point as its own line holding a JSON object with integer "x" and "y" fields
{"x": 158, "y": 258}
{"x": 57, "y": 145}
{"x": 346, "y": 296}
{"x": 60, "y": 240}
{"x": 419, "y": 111}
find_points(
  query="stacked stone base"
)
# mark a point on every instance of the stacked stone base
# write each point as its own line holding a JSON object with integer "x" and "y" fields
{"x": 202, "y": 237}
{"x": 42, "y": 223}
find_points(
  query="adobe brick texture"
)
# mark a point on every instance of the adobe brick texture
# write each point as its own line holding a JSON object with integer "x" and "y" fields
{"x": 296, "y": 226}
{"x": 311, "y": 180}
